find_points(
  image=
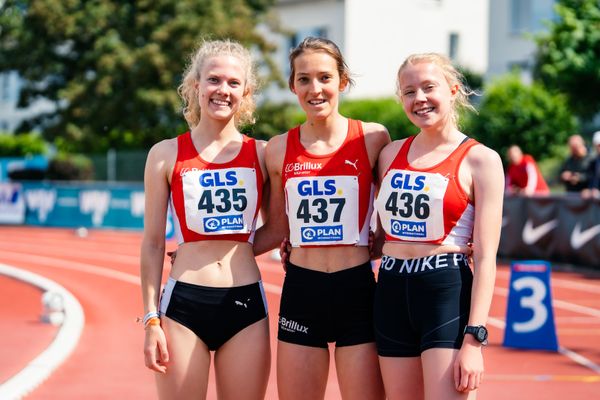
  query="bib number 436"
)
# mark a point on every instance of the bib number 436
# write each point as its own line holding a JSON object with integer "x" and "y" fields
{"x": 407, "y": 205}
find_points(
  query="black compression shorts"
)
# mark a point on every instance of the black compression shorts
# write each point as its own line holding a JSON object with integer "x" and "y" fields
{"x": 214, "y": 314}
{"x": 319, "y": 307}
{"x": 421, "y": 303}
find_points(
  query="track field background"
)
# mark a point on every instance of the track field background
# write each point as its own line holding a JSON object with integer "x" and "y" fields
{"x": 102, "y": 271}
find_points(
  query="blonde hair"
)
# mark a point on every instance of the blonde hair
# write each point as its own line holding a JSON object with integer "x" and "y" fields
{"x": 452, "y": 75}
{"x": 323, "y": 45}
{"x": 189, "y": 94}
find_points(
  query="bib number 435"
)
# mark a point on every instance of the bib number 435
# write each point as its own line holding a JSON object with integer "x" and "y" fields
{"x": 228, "y": 199}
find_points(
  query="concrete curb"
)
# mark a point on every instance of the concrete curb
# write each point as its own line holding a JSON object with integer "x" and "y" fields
{"x": 40, "y": 368}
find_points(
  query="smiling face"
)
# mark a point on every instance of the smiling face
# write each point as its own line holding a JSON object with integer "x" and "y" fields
{"x": 426, "y": 96}
{"x": 221, "y": 87}
{"x": 317, "y": 84}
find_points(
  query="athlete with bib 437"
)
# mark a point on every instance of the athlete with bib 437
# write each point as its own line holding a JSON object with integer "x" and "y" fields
{"x": 213, "y": 177}
{"x": 440, "y": 191}
{"x": 321, "y": 175}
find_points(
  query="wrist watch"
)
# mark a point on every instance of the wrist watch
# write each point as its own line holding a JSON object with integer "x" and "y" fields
{"x": 479, "y": 332}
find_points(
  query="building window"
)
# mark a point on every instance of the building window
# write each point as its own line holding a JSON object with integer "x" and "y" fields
{"x": 453, "y": 46}
{"x": 530, "y": 15}
{"x": 296, "y": 38}
{"x": 4, "y": 87}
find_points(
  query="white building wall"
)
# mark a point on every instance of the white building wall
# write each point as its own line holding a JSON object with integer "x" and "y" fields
{"x": 376, "y": 35}
{"x": 304, "y": 17}
{"x": 511, "y": 43}
{"x": 380, "y": 34}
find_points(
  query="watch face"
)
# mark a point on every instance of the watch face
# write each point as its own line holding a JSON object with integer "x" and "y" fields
{"x": 481, "y": 334}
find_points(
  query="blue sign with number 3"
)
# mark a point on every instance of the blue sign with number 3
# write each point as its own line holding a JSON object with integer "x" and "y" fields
{"x": 529, "y": 315}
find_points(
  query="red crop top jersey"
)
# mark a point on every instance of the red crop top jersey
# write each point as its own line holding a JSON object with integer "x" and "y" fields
{"x": 215, "y": 201}
{"x": 329, "y": 198}
{"x": 426, "y": 205}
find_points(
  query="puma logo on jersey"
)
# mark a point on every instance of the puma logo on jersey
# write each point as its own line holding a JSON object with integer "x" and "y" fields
{"x": 348, "y": 162}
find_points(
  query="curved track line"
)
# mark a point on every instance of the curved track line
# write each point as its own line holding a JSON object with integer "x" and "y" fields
{"x": 106, "y": 272}
{"x": 576, "y": 357}
{"x": 40, "y": 368}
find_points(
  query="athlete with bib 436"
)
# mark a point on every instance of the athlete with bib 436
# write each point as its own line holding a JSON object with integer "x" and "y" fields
{"x": 440, "y": 191}
{"x": 213, "y": 178}
{"x": 321, "y": 175}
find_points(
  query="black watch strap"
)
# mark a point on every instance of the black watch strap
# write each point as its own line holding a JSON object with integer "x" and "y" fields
{"x": 479, "y": 332}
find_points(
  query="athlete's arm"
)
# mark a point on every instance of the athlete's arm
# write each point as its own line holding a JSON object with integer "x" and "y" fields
{"x": 156, "y": 191}
{"x": 275, "y": 227}
{"x": 487, "y": 189}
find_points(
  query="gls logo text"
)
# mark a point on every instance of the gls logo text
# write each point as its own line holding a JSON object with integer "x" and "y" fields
{"x": 312, "y": 188}
{"x": 407, "y": 181}
{"x": 216, "y": 179}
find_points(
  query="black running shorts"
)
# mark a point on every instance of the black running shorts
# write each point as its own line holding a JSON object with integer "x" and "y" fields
{"x": 319, "y": 308}
{"x": 421, "y": 303}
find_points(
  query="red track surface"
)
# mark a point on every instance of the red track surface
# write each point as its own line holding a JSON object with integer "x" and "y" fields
{"x": 101, "y": 271}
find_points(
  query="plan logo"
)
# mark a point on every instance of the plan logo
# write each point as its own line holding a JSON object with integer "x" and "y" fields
{"x": 409, "y": 228}
{"x": 224, "y": 223}
{"x": 322, "y": 233}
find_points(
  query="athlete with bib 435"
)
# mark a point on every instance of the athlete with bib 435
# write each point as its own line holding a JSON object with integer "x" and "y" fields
{"x": 321, "y": 175}
{"x": 213, "y": 178}
{"x": 440, "y": 191}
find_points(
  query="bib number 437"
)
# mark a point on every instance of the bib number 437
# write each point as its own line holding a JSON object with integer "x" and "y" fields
{"x": 317, "y": 210}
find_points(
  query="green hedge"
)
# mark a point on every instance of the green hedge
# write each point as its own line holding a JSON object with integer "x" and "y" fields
{"x": 21, "y": 145}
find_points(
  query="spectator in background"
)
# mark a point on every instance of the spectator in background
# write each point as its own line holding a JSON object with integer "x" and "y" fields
{"x": 523, "y": 175}
{"x": 573, "y": 173}
{"x": 593, "y": 189}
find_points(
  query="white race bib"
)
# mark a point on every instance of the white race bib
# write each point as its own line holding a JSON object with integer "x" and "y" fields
{"x": 323, "y": 210}
{"x": 411, "y": 205}
{"x": 221, "y": 201}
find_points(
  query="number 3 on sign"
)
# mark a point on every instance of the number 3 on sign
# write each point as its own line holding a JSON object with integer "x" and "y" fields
{"x": 534, "y": 302}
{"x": 529, "y": 314}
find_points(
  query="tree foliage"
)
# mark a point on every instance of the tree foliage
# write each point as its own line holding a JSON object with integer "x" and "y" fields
{"x": 568, "y": 56}
{"x": 112, "y": 66}
{"x": 514, "y": 113}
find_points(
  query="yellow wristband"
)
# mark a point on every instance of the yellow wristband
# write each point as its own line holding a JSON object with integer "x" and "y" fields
{"x": 152, "y": 322}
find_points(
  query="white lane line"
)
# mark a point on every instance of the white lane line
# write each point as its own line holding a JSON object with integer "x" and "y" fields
{"x": 77, "y": 266}
{"x": 273, "y": 289}
{"x": 40, "y": 368}
{"x": 73, "y": 251}
{"x": 563, "y": 283}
